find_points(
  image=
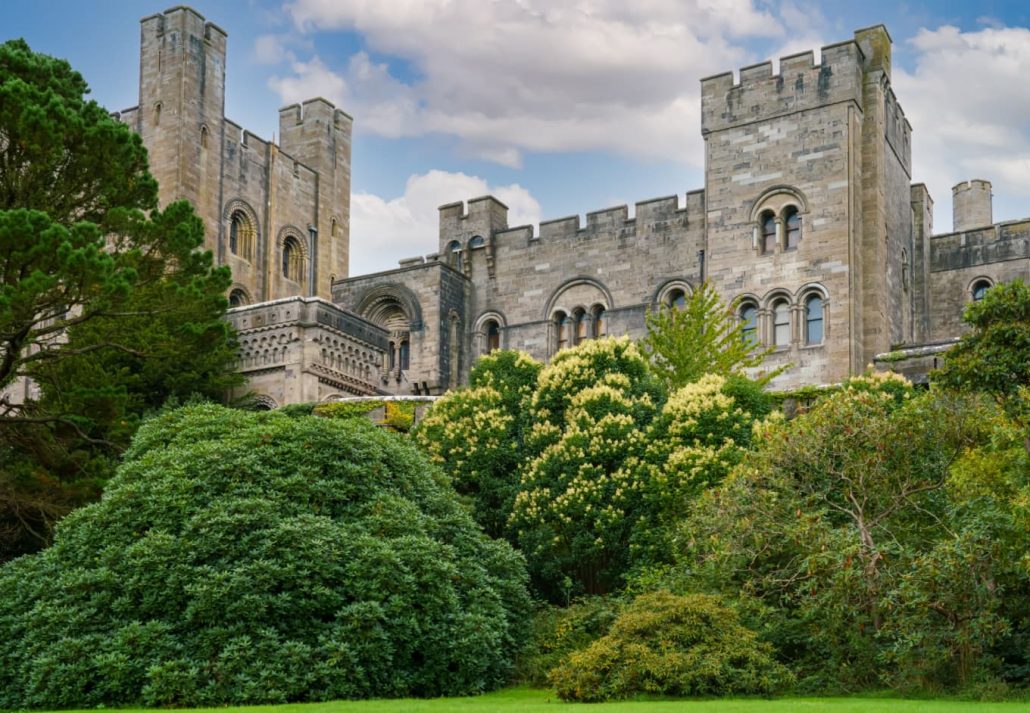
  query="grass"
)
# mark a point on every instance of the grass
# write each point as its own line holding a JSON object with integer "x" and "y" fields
{"x": 527, "y": 700}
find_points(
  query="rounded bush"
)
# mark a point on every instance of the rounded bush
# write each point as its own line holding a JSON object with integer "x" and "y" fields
{"x": 664, "y": 644}
{"x": 244, "y": 558}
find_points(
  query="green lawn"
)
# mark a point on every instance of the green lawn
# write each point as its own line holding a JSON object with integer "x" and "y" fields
{"x": 525, "y": 700}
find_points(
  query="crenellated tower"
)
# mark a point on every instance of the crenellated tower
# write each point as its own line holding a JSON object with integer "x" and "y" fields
{"x": 181, "y": 109}
{"x": 319, "y": 135}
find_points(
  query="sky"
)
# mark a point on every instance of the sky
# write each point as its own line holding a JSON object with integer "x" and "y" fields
{"x": 562, "y": 107}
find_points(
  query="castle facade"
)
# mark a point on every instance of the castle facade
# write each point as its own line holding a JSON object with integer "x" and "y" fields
{"x": 808, "y": 222}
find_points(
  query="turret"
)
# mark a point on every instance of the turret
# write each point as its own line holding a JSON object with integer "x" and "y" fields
{"x": 971, "y": 205}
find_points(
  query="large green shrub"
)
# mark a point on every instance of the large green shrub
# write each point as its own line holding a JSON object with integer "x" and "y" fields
{"x": 664, "y": 644}
{"x": 558, "y": 631}
{"x": 244, "y": 558}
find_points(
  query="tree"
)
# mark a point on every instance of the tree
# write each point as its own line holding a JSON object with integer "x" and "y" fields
{"x": 105, "y": 303}
{"x": 242, "y": 557}
{"x": 703, "y": 337}
{"x": 842, "y": 534}
{"x": 995, "y": 356}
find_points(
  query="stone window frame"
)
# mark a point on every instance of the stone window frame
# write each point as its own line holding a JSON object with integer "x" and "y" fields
{"x": 975, "y": 284}
{"x": 454, "y": 255}
{"x": 665, "y": 295}
{"x": 767, "y": 318}
{"x": 296, "y": 271}
{"x": 480, "y": 335}
{"x": 804, "y": 295}
{"x": 750, "y": 302}
{"x": 779, "y": 203}
{"x": 598, "y": 321}
{"x": 238, "y": 290}
{"x": 247, "y": 243}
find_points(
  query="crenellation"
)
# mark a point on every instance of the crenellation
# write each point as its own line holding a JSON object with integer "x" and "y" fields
{"x": 800, "y": 63}
{"x": 559, "y": 227}
{"x": 656, "y": 209}
{"x": 761, "y": 95}
{"x": 607, "y": 218}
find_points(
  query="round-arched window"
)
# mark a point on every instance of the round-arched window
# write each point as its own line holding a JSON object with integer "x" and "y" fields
{"x": 677, "y": 298}
{"x": 292, "y": 260}
{"x": 814, "y": 320}
{"x": 781, "y": 323}
{"x": 749, "y": 320}
{"x": 454, "y": 254}
{"x": 792, "y": 223}
{"x": 600, "y": 326}
{"x": 493, "y": 336}
{"x": 237, "y": 298}
{"x": 980, "y": 288}
{"x": 768, "y": 232}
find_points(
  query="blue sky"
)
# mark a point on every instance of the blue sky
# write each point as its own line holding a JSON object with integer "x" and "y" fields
{"x": 562, "y": 107}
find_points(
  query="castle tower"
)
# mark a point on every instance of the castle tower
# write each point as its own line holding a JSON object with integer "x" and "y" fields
{"x": 807, "y": 191}
{"x": 971, "y": 205}
{"x": 181, "y": 106}
{"x": 319, "y": 135}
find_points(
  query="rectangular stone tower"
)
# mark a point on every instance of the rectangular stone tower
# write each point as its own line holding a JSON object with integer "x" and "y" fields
{"x": 807, "y": 191}
{"x": 181, "y": 106}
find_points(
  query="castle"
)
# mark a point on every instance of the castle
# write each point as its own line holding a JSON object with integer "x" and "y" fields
{"x": 808, "y": 222}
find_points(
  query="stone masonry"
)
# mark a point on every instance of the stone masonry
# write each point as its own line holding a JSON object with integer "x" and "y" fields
{"x": 808, "y": 223}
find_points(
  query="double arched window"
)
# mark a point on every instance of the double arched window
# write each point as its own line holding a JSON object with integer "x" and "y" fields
{"x": 776, "y": 219}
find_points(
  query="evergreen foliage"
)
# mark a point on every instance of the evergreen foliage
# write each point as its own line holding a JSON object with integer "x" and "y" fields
{"x": 261, "y": 558}
{"x": 105, "y": 302}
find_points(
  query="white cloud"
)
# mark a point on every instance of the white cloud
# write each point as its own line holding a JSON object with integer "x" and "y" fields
{"x": 536, "y": 75}
{"x": 968, "y": 101}
{"x": 385, "y": 231}
{"x": 310, "y": 79}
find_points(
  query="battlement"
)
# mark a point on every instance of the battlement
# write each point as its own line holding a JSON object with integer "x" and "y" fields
{"x": 999, "y": 242}
{"x": 971, "y": 204}
{"x": 184, "y": 19}
{"x": 316, "y": 109}
{"x": 800, "y": 84}
{"x": 650, "y": 216}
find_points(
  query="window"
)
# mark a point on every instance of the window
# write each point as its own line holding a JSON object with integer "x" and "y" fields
{"x": 904, "y": 270}
{"x": 677, "y": 298}
{"x": 493, "y": 336}
{"x": 814, "y": 320}
{"x": 405, "y": 355}
{"x": 980, "y": 288}
{"x": 203, "y": 137}
{"x": 600, "y": 327}
{"x": 768, "y": 233}
{"x": 792, "y": 221}
{"x": 237, "y": 298}
{"x": 241, "y": 235}
{"x": 562, "y": 325}
{"x": 580, "y": 321}
{"x": 292, "y": 260}
{"x": 454, "y": 254}
{"x": 781, "y": 323}
{"x": 749, "y": 318}
{"x": 477, "y": 241}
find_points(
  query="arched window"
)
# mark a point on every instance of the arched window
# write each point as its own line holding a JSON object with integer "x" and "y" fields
{"x": 904, "y": 270}
{"x": 405, "y": 355}
{"x": 203, "y": 137}
{"x": 814, "y": 320}
{"x": 792, "y": 223}
{"x": 157, "y": 114}
{"x": 781, "y": 323}
{"x": 241, "y": 235}
{"x": 768, "y": 233}
{"x": 562, "y": 325}
{"x": 292, "y": 259}
{"x": 677, "y": 298}
{"x": 749, "y": 319}
{"x": 579, "y": 319}
{"x": 477, "y": 241}
{"x": 493, "y": 336}
{"x": 980, "y": 288}
{"x": 237, "y": 298}
{"x": 600, "y": 327}
{"x": 454, "y": 254}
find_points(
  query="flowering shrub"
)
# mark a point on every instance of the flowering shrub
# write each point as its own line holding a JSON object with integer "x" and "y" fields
{"x": 476, "y": 434}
